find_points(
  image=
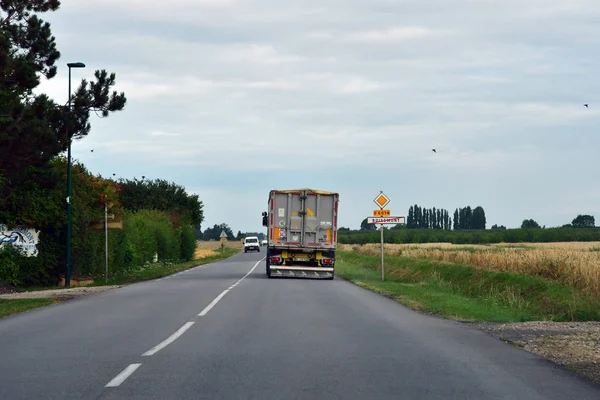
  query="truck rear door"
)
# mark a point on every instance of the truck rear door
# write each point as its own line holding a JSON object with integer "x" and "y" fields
{"x": 303, "y": 218}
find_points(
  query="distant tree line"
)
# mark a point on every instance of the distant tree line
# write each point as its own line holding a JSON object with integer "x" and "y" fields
{"x": 214, "y": 233}
{"x": 428, "y": 218}
{"x": 528, "y": 235}
{"x": 465, "y": 218}
{"x": 437, "y": 218}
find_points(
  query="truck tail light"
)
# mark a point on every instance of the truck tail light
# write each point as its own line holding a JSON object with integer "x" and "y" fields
{"x": 327, "y": 261}
{"x": 275, "y": 260}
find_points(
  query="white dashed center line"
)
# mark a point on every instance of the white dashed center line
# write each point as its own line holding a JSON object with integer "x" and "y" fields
{"x": 219, "y": 297}
{"x": 169, "y": 340}
{"x": 126, "y": 373}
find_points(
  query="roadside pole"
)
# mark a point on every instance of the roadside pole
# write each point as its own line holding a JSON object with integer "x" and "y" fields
{"x": 382, "y": 258}
{"x": 105, "y": 243}
{"x": 383, "y": 217}
{"x": 223, "y": 239}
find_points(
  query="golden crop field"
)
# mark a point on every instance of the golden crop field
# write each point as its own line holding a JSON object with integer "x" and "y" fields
{"x": 574, "y": 263}
{"x": 206, "y": 248}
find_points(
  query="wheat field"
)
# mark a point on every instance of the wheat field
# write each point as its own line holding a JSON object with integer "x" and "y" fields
{"x": 205, "y": 248}
{"x": 574, "y": 263}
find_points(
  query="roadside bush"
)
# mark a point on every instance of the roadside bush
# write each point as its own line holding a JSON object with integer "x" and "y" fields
{"x": 188, "y": 242}
{"x": 150, "y": 232}
{"x": 9, "y": 266}
{"x": 41, "y": 205}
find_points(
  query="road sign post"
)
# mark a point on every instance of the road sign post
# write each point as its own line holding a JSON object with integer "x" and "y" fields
{"x": 383, "y": 217}
{"x": 381, "y": 200}
{"x": 223, "y": 240}
{"x": 382, "y": 255}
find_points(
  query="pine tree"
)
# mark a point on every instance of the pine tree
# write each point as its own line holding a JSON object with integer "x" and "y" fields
{"x": 32, "y": 126}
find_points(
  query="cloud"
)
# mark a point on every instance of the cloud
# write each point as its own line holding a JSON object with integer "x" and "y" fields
{"x": 392, "y": 35}
{"x": 256, "y": 53}
{"x": 160, "y": 133}
{"x": 350, "y": 95}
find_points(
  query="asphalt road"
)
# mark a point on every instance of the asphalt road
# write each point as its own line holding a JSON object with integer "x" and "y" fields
{"x": 222, "y": 332}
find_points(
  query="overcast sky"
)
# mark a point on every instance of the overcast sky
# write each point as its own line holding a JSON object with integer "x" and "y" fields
{"x": 232, "y": 98}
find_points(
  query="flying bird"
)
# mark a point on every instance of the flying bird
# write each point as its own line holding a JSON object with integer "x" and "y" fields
{"x": 586, "y": 105}
{"x": 92, "y": 150}
{"x": 434, "y": 150}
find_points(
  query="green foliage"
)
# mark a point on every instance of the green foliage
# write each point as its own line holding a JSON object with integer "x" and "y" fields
{"x": 9, "y": 266}
{"x": 15, "y": 306}
{"x": 584, "y": 221}
{"x": 467, "y": 218}
{"x": 150, "y": 232}
{"x": 188, "y": 243}
{"x": 161, "y": 195}
{"x": 529, "y": 224}
{"x": 365, "y": 226}
{"x": 478, "y": 218}
{"x": 473, "y": 236}
{"x": 144, "y": 234}
{"x": 33, "y": 128}
{"x": 469, "y": 293}
{"x": 214, "y": 233}
{"x": 431, "y": 218}
{"x": 259, "y": 235}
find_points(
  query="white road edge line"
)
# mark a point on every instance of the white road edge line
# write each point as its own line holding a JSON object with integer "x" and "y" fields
{"x": 126, "y": 373}
{"x": 219, "y": 297}
{"x": 169, "y": 340}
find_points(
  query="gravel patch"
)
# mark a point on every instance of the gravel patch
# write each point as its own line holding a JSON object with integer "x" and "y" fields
{"x": 58, "y": 293}
{"x": 575, "y": 345}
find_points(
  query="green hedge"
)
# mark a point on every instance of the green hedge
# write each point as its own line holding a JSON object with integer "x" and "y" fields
{"x": 144, "y": 234}
{"x": 473, "y": 236}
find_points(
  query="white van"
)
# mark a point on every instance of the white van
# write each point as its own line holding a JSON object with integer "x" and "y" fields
{"x": 251, "y": 243}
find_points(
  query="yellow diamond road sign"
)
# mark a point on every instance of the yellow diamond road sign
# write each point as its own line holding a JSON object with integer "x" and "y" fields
{"x": 381, "y": 200}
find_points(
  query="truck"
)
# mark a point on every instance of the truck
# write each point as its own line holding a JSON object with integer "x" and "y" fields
{"x": 301, "y": 233}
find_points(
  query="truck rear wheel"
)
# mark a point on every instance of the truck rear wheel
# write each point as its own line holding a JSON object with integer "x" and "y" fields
{"x": 268, "y": 269}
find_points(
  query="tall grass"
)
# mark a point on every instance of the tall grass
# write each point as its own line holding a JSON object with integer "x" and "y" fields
{"x": 574, "y": 263}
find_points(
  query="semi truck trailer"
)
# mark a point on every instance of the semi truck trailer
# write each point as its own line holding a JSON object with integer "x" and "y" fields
{"x": 301, "y": 233}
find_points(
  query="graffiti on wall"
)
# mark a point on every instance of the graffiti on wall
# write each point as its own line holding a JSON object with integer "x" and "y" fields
{"x": 24, "y": 239}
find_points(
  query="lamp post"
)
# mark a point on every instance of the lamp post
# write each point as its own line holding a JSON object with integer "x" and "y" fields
{"x": 68, "y": 272}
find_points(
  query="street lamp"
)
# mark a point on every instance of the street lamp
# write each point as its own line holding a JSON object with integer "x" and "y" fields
{"x": 68, "y": 273}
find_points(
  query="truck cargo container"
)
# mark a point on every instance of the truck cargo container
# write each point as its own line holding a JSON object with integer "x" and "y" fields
{"x": 301, "y": 233}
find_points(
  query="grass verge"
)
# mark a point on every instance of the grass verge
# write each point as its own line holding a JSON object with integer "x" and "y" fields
{"x": 160, "y": 269}
{"x": 466, "y": 293}
{"x": 14, "y": 306}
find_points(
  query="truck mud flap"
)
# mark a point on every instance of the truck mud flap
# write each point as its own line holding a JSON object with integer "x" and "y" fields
{"x": 299, "y": 272}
